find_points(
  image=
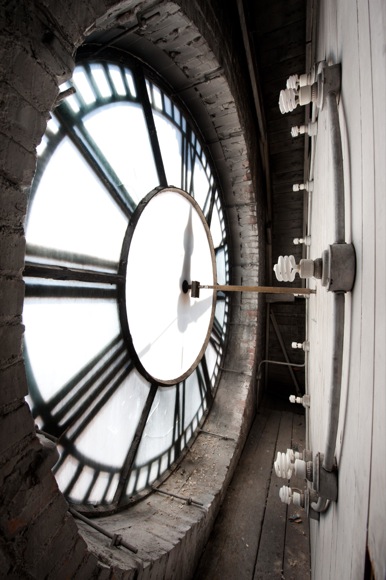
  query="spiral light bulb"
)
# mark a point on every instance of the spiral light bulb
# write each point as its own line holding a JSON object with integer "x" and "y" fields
{"x": 288, "y": 100}
{"x": 310, "y": 129}
{"x": 293, "y": 82}
{"x": 285, "y": 494}
{"x": 283, "y": 465}
{"x": 285, "y": 269}
{"x": 306, "y": 241}
{"x": 295, "y": 131}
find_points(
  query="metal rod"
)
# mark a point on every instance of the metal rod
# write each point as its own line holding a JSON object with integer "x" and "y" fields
{"x": 335, "y": 392}
{"x": 187, "y": 500}
{"x": 117, "y": 539}
{"x": 337, "y": 168}
{"x": 276, "y": 362}
{"x": 284, "y": 351}
{"x": 339, "y": 299}
{"x": 225, "y": 437}
{"x": 336, "y": 382}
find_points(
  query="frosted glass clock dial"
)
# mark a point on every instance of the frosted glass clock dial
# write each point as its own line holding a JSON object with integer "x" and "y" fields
{"x": 168, "y": 242}
{"x": 122, "y": 365}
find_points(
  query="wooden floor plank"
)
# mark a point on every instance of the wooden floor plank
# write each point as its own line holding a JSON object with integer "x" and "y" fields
{"x": 231, "y": 549}
{"x": 269, "y": 562}
{"x": 250, "y": 536}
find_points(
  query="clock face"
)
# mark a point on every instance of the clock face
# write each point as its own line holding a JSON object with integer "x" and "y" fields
{"x": 168, "y": 328}
{"x": 122, "y": 365}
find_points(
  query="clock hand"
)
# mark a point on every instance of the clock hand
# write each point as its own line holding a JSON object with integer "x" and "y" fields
{"x": 188, "y": 249}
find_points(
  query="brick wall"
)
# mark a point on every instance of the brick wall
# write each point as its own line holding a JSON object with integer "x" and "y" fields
{"x": 38, "y": 537}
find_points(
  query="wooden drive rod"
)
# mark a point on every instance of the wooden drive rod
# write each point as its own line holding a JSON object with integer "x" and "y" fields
{"x": 265, "y": 289}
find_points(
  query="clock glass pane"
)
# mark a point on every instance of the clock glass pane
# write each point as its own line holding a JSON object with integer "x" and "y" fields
{"x": 158, "y": 434}
{"x": 96, "y": 274}
{"x": 170, "y": 140}
{"x": 107, "y": 437}
{"x": 119, "y": 131}
{"x": 50, "y": 324}
{"x": 79, "y": 209}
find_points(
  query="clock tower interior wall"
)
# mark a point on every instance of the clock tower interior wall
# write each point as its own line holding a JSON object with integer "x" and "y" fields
{"x": 38, "y": 536}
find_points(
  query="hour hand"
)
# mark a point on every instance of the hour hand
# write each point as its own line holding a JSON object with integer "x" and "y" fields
{"x": 188, "y": 249}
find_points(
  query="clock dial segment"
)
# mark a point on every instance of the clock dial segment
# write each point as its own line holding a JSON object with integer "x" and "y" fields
{"x": 105, "y": 263}
{"x": 169, "y": 329}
